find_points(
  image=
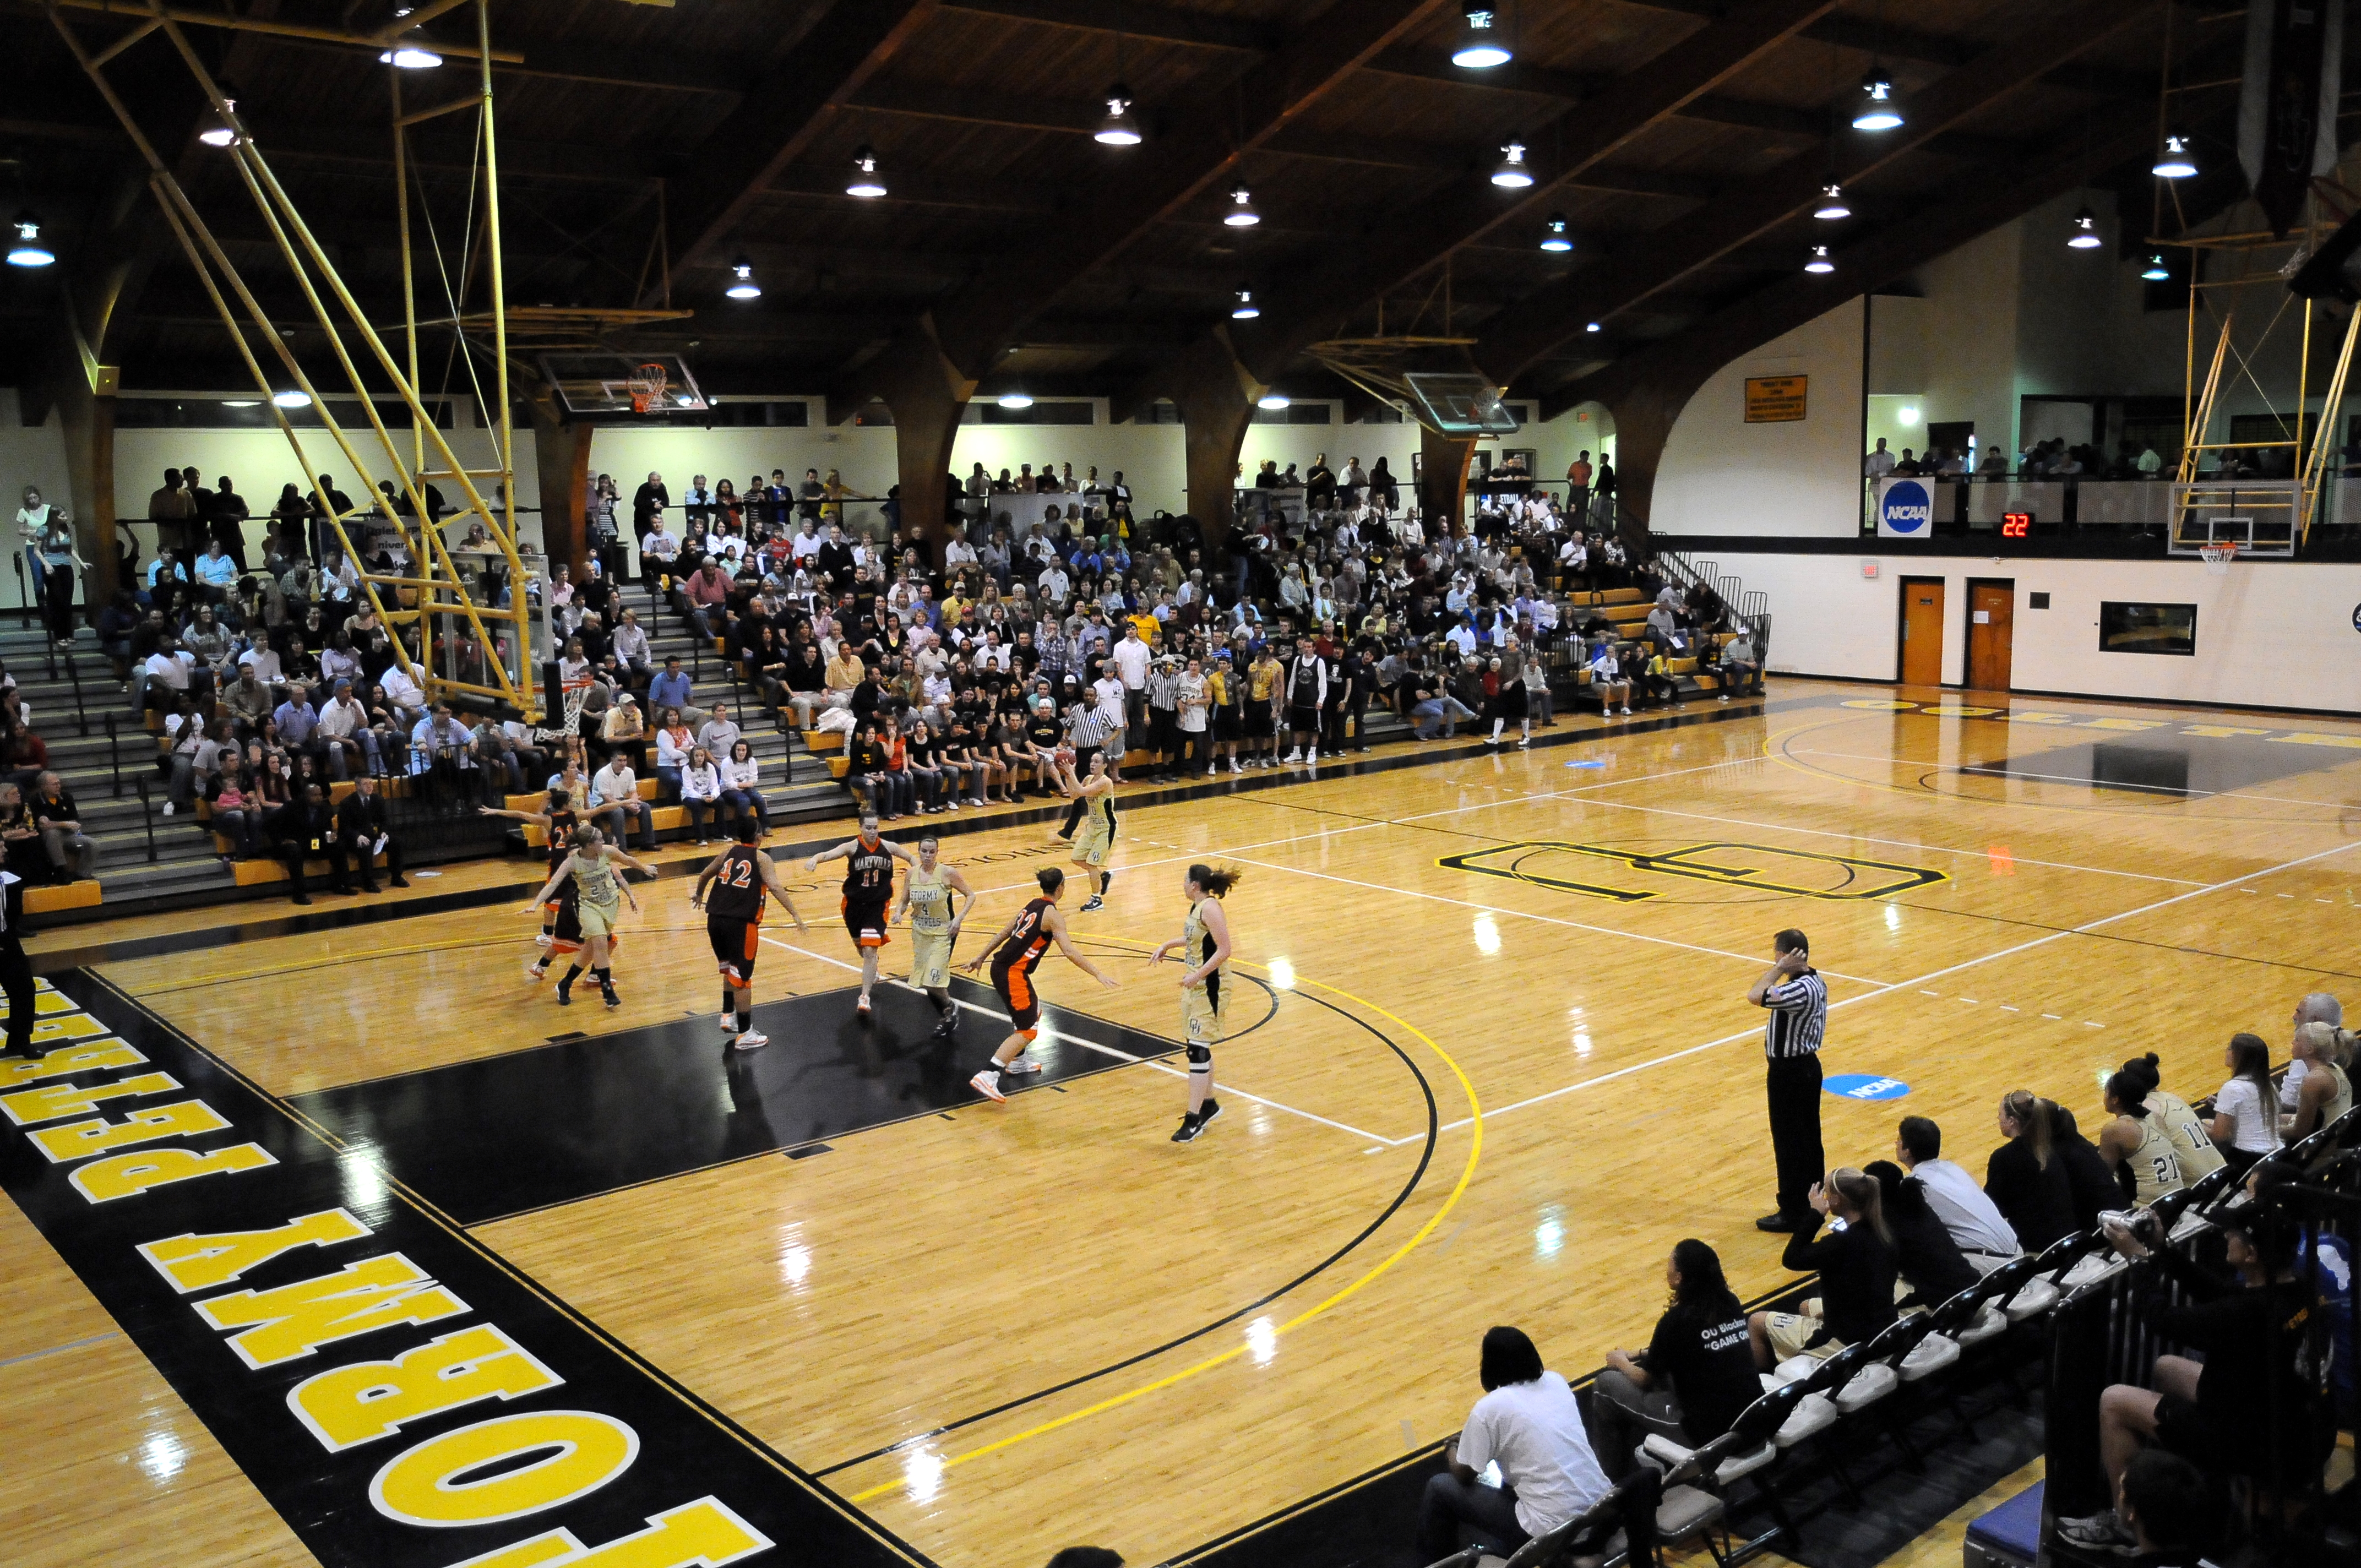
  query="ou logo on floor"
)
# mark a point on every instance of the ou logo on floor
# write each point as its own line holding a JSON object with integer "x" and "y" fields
{"x": 1863, "y": 1086}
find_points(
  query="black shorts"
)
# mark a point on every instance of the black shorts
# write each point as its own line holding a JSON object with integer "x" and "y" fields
{"x": 1226, "y": 724}
{"x": 865, "y": 924}
{"x": 736, "y": 945}
{"x": 1304, "y": 716}
{"x": 1015, "y": 988}
{"x": 1258, "y": 720}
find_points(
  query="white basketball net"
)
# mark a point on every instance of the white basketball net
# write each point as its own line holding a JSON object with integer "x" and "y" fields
{"x": 2217, "y": 557}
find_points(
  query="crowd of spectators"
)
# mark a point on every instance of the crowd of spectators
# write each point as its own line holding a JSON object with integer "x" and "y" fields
{"x": 2258, "y": 1403}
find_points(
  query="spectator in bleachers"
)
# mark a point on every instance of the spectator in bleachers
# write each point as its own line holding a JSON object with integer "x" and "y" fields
{"x": 699, "y": 786}
{"x": 2317, "y": 1007}
{"x": 2026, "y": 1178}
{"x": 717, "y": 734}
{"x": 73, "y": 854}
{"x": 1929, "y": 1261}
{"x": 2192, "y": 1142}
{"x": 195, "y": 754}
{"x": 1529, "y": 1423}
{"x": 441, "y": 750}
{"x": 306, "y": 829}
{"x": 1974, "y": 1221}
{"x": 2133, "y": 1142}
{"x": 171, "y": 676}
{"x": 615, "y": 803}
{"x": 2247, "y": 1109}
{"x": 1857, "y": 1266}
{"x": 1694, "y": 1379}
{"x": 2163, "y": 1501}
{"x": 344, "y": 736}
{"x": 236, "y": 808}
{"x": 2247, "y": 1409}
{"x": 1741, "y": 669}
{"x": 741, "y": 789}
{"x": 17, "y": 830}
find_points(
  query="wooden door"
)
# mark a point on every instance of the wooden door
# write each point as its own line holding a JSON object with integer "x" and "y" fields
{"x": 1991, "y": 621}
{"x": 1922, "y": 632}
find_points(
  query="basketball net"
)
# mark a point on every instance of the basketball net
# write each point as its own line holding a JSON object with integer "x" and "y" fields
{"x": 2217, "y": 557}
{"x": 647, "y": 388}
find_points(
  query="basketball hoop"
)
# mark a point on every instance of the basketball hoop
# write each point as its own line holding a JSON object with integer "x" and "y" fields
{"x": 2217, "y": 557}
{"x": 647, "y": 388}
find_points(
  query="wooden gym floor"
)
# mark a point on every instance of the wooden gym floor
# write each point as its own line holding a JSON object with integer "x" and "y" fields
{"x": 1492, "y": 1058}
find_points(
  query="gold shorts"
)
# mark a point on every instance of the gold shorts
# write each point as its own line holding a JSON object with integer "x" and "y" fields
{"x": 1092, "y": 843}
{"x": 597, "y": 919}
{"x": 930, "y": 958}
{"x": 1790, "y": 1332}
{"x": 1201, "y": 1021}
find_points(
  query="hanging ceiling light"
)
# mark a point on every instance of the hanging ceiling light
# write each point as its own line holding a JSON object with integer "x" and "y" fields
{"x": 292, "y": 400}
{"x": 410, "y": 57}
{"x": 864, "y": 182}
{"x": 1481, "y": 44}
{"x": 1241, "y": 215}
{"x": 1512, "y": 174}
{"x": 1819, "y": 261}
{"x": 1272, "y": 401}
{"x": 222, "y": 134}
{"x": 1879, "y": 112}
{"x": 2174, "y": 162}
{"x": 1832, "y": 204}
{"x": 1245, "y": 310}
{"x": 1554, "y": 236}
{"x": 743, "y": 285}
{"x": 1120, "y": 129}
{"x": 241, "y": 402}
{"x": 1014, "y": 400}
{"x": 27, "y": 249}
{"x": 2086, "y": 232}
{"x": 1592, "y": 328}
{"x": 2156, "y": 271}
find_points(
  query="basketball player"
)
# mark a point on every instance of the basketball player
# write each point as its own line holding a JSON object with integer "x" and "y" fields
{"x": 739, "y": 876}
{"x": 868, "y": 889}
{"x": 1095, "y": 840}
{"x": 599, "y": 894}
{"x": 1014, "y": 952}
{"x": 561, "y": 933}
{"x": 927, "y": 892}
{"x": 1204, "y": 941}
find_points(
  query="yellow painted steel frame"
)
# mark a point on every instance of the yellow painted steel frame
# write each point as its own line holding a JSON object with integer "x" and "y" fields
{"x": 306, "y": 261}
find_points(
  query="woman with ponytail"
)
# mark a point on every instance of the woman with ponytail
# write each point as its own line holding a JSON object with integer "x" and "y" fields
{"x": 1204, "y": 945}
{"x": 2133, "y": 1143}
{"x": 2193, "y": 1144}
{"x": 2326, "y": 1052}
{"x": 2247, "y": 1109}
{"x": 2025, "y": 1178}
{"x": 1856, "y": 1262}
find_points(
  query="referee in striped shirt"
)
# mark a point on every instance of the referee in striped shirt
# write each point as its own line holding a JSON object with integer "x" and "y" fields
{"x": 1798, "y": 1000}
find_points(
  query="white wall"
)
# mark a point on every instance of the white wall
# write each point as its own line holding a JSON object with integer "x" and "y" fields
{"x": 2268, "y": 635}
{"x": 1721, "y": 475}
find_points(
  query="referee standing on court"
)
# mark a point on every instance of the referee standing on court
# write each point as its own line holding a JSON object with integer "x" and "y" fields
{"x": 1798, "y": 1000}
{"x": 16, "y": 968}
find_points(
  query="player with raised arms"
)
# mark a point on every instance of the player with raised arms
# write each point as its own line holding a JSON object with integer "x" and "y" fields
{"x": 868, "y": 889}
{"x": 1014, "y": 952}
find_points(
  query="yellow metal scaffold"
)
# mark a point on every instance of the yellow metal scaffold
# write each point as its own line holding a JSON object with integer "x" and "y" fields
{"x": 432, "y": 607}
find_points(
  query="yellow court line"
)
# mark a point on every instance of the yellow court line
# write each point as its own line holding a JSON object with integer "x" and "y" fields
{"x": 1467, "y": 1173}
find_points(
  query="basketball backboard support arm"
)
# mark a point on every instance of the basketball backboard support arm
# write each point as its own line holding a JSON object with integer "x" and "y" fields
{"x": 1432, "y": 377}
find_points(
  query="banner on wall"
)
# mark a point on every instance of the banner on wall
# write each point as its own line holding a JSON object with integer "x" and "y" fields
{"x": 1905, "y": 509}
{"x": 1776, "y": 400}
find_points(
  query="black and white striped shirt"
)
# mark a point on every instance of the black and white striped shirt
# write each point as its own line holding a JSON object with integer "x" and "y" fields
{"x": 1799, "y": 1017}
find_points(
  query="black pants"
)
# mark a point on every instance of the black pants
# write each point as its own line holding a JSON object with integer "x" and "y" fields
{"x": 356, "y": 848}
{"x": 17, "y": 979}
{"x": 294, "y": 854}
{"x": 1792, "y": 1085}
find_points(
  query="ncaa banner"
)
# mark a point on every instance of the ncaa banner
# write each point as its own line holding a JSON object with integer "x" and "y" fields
{"x": 1905, "y": 509}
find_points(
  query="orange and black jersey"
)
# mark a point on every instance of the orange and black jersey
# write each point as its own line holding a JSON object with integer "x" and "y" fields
{"x": 1026, "y": 942}
{"x": 561, "y": 844}
{"x": 868, "y": 874}
{"x": 737, "y": 888}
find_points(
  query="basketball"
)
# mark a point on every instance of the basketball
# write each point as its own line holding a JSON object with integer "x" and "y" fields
{"x": 1065, "y": 756}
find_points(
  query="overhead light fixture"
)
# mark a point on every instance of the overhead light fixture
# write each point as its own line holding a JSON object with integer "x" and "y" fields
{"x": 241, "y": 402}
{"x": 292, "y": 400}
{"x": 1554, "y": 236}
{"x": 27, "y": 249}
{"x": 683, "y": 400}
{"x": 1512, "y": 174}
{"x": 1241, "y": 215}
{"x": 410, "y": 57}
{"x": 2174, "y": 162}
{"x": 1481, "y": 44}
{"x": 2156, "y": 271}
{"x": 1014, "y": 400}
{"x": 1271, "y": 401}
{"x": 864, "y": 182}
{"x": 1592, "y": 328}
{"x": 1245, "y": 310}
{"x": 2086, "y": 232}
{"x": 1819, "y": 261}
{"x": 222, "y": 134}
{"x": 1879, "y": 114}
{"x": 744, "y": 286}
{"x": 1832, "y": 204}
{"x": 1120, "y": 129}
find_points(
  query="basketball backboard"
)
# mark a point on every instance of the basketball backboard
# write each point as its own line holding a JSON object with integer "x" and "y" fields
{"x": 603, "y": 381}
{"x": 1456, "y": 403}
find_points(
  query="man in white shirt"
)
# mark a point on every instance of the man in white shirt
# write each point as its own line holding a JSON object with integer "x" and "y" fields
{"x": 402, "y": 690}
{"x": 633, "y": 659}
{"x": 1879, "y": 463}
{"x": 170, "y": 672}
{"x": 805, "y": 544}
{"x": 1053, "y": 583}
{"x": 659, "y": 551}
{"x": 615, "y": 798}
{"x": 959, "y": 551}
{"x": 344, "y": 727}
{"x": 1528, "y": 1424}
{"x": 263, "y": 660}
{"x": 1112, "y": 698}
{"x": 1975, "y": 1221}
{"x": 1131, "y": 656}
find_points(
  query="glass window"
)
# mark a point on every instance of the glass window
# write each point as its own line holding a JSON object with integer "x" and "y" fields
{"x": 2147, "y": 628}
